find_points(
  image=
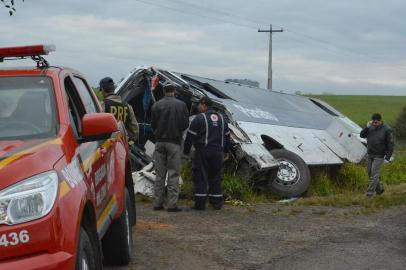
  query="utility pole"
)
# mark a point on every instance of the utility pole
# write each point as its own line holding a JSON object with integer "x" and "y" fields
{"x": 270, "y": 31}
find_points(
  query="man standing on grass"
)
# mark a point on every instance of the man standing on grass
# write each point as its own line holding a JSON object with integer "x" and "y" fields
{"x": 380, "y": 143}
{"x": 209, "y": 134}
{"x": 169, "y": 118}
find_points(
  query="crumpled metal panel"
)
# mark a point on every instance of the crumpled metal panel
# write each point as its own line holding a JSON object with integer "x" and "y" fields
{"x": 259, "y": 156}
{"x": 254, "y": 152}
{"x": 315, "y": 147}
{"x": 303, "y": 142}
{"x": 343, "y": 141}
{"x": 144, "y": 180}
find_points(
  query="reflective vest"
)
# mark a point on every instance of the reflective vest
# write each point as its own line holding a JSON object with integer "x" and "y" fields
{"x": 120, "y": 110}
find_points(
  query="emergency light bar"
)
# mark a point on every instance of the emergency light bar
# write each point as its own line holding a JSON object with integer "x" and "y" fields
{"x": 26, "y": 51}
{"x": 35, "y": 52}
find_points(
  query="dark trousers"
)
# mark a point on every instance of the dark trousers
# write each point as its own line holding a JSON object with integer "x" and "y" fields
{"x": 207, "y": 164}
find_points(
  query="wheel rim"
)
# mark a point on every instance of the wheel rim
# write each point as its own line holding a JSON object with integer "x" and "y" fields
{"x": 129, "y": 236}
{"x": 288, "y": 173}
{"x": 85, "y": 264}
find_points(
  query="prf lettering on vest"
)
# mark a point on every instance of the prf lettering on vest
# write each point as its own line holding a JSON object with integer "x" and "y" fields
{"x": 120, "y": 112}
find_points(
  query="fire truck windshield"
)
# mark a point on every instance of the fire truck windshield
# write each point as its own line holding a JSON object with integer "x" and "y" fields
{"x": 27, "y": 108}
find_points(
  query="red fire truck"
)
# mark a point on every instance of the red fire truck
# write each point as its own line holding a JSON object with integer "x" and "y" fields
{"x": 66, "y": 191}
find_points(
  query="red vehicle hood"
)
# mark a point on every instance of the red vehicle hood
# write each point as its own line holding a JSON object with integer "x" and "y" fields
{"x": 22, "y": 159}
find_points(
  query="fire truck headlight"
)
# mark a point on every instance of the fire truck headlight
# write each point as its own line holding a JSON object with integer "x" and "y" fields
{"x": 29, "y": 199}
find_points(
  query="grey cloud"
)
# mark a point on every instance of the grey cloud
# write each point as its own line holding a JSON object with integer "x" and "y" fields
{"x": 355, "y": 40}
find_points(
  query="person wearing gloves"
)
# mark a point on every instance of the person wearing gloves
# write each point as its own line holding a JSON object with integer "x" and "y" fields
{"x": 380, "y": 144}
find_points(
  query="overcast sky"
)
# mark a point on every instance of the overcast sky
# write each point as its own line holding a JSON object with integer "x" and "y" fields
{"x": 340, "y": 47}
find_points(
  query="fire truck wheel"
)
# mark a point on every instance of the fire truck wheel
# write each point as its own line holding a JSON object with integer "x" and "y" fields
{"x": 118, "y": 241}
{"x": 85, "y": 259}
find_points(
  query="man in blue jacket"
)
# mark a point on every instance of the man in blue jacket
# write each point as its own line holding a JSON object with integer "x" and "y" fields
{"x": 380, "y": 144}
{"x": 209, "y": 134}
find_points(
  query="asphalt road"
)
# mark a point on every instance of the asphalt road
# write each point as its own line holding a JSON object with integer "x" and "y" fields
{"x": 270, "y": 236}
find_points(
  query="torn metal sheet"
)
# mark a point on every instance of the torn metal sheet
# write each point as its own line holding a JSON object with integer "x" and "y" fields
{"x": 344, "y": 141}
{"x": 238, "y": 135}
{"x": 259, "y": 156}
{"x": 289, "y": 200}
{"x": 144, "y": 180}
{"x": 315, "y": 147}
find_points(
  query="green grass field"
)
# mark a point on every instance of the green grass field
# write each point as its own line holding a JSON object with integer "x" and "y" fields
{"x": 360, "y": 108}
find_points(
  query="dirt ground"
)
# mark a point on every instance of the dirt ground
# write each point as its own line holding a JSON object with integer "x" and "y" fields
{"x": 270, "y": 236}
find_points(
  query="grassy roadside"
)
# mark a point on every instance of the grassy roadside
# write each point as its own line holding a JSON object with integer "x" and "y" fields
{"x": 347, "y": 188}
{"x": 341, "y": 187}
{"x": 237, "y": 191}
{"x": 394, "y": 195}
{"x": 353, "y": 178}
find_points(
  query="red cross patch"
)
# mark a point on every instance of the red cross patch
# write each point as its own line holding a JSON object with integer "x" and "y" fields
{"x": 214, "y": 118}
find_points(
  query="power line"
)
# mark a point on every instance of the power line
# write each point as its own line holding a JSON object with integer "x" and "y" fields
{"x": 232, "y": 15}
{"x": 192, "y": 13}
{"x": 253, "y": 21}
{"x": 327, "y": 45}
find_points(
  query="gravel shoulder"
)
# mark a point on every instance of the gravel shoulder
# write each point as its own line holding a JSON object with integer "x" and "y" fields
{"x": 269, "y": 236}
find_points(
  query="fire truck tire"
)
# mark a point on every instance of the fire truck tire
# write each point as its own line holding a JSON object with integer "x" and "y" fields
{"x": 118, "y": 242}
{"x": 129, "y": 183}
{"x": 293, "y": 176}
{"x": 85, "y": 258}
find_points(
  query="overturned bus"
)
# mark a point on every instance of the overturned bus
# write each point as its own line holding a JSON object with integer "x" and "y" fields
{"x": 274, "y": 135}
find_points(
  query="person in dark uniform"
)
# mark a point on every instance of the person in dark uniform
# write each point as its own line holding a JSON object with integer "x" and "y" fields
{"x": 209, "y": 134}
{"x": 122, "y": 111}
{"x": 380, "y": 144}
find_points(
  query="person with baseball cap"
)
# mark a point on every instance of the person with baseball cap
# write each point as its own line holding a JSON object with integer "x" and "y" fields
{"x": 380, "y": 144}
{"x": 209, "y": 134}
{"x": 122, "y": 111}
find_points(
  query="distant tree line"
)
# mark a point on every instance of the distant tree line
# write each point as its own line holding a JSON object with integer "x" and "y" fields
{"x": 244, "y": 82}
{"x": 400, "y": 124}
